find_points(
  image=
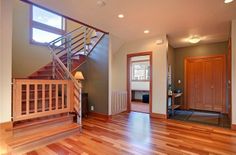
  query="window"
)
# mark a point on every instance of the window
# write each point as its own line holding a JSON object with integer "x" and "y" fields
{"x": 140, "y": 71}
{"x": 45, "y": 26}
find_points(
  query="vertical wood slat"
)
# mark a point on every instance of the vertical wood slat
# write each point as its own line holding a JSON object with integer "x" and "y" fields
{"x": 27, "y": 98}
{"x": 14, "y": 99}
{"x": 35, "y": 98}
{"x": 62, "y": 96}
{"x": 70, "y": 98}
{"x": 50, "y": 97}
{"x": 119, "y": 102}
{"x": 18, "y": 99}
{"x": 43, "y": 97}
{"x": 56, "y": 96}
{"x": 19, "y": 96}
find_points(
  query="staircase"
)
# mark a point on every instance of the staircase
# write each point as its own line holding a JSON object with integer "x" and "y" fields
{"x": 69, "y": 52}
{"x": 46, "y": 71}
{"x": 46, "y": 105}
{"x": 72, "y": 51}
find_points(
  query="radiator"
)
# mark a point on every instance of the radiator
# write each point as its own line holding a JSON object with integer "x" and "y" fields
{"x": 119, "y": 102}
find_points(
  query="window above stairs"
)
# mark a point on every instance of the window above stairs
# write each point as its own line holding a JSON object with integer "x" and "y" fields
{"x": 45, "y": 26}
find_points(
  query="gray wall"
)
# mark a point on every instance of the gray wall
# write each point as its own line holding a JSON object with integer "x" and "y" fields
{"x": 200, "y": 50}
{"x": 95, "y": 72}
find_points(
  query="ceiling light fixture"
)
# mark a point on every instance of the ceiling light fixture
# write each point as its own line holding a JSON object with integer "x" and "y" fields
{"x": 159, "y": 41}
{"x": 121, "y": 16}
{"x": 228, "y": 1}
{"x": 146, "y": 31}
{"x": 194, "y": 39}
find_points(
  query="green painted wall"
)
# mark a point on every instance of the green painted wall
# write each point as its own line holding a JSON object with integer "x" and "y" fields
{"x": 195, "y": 51}
{"x": 95, "y": 72}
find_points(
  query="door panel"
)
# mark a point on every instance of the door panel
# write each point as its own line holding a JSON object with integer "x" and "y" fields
{"x": 191, "y": 91}
{"x": 208, "y": 85}
{"x": 219, "y": 85}
{"x": 198, "y": 85}
{"x": 205, "y": 83}
{"x": 229, "y": 68}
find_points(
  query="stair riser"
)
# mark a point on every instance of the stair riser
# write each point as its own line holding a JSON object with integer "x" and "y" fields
{"x": 35, "y": 128}
{"x": 43, "y": 142}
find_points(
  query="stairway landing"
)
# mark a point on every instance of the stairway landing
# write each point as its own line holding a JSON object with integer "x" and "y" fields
{"x": 25, "y": 136}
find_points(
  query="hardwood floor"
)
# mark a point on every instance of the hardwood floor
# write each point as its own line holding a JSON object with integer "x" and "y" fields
{"x": 136, "y": 133}
{"x": 140, "y": 107}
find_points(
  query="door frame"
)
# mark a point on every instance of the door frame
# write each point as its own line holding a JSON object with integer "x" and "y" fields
{"x": 185, "y": 76}
{"x": 129, "y": 56}
{"x": 229, "y": 80}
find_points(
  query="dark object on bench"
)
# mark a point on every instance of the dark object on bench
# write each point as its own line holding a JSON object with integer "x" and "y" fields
{"x": 145, "y": 98}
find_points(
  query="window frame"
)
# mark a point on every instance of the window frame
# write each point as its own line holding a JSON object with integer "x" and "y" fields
{"x": 44, "y": 27}
{"x": 132, "y": 70}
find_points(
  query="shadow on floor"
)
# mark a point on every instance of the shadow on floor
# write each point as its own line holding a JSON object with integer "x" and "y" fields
{"x": 202, "y": 117}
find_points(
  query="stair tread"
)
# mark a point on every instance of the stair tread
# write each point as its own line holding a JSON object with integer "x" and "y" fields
{"x": 43, "y": 121}
{"x": 23, "y": 140}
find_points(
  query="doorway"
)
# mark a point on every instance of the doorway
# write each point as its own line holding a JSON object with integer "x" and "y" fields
{"x": 139, "y": 82}
{"x": 205, "y": 81}
{"x": 205, "y": 91}
{"x": 197, "y": 84}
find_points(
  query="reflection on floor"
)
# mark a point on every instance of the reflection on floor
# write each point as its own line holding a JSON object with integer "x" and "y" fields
{"x": 208, "y": 118}
{"x": 137, "y": 133}
{"x": 140, "y": 107}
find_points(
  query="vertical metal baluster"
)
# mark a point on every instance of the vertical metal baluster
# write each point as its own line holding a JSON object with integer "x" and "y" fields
{"x": 53, "y": 66}
{"x": 69, "y": 54}
{"x": 85, "y": 40}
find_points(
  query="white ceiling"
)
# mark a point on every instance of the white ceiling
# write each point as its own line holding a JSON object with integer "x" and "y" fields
{"x": 179, "y": 19}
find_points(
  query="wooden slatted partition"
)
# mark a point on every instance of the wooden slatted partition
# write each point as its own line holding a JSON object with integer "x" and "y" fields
{"x": 119, "y": 102}
{"x": 38, "y": 98}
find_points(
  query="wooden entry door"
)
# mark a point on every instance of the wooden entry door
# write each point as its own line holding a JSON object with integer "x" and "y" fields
{"x": 205, "y": 83}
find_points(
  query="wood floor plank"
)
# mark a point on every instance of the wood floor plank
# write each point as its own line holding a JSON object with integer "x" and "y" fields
{"x": 136, "y": 133}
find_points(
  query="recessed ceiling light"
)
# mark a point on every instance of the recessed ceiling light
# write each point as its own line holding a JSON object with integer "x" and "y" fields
{"x": 194, "y": 39}
{"x": 146, "y": 31}
{"x": 228, "y": 1}
{"x": 121, "y": 16}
